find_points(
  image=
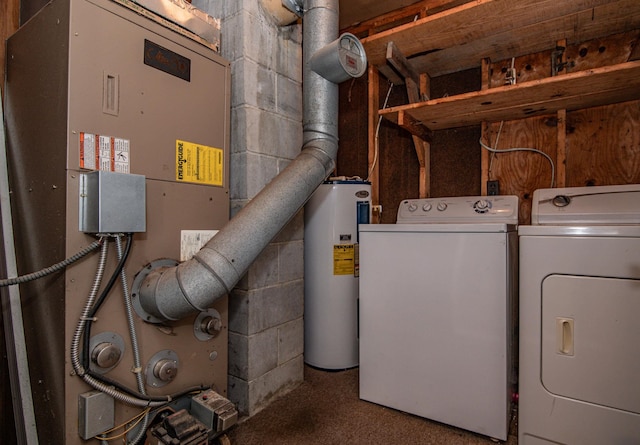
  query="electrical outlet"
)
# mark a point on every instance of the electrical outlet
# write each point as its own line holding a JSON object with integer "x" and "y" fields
{"x": 493, "y": 188}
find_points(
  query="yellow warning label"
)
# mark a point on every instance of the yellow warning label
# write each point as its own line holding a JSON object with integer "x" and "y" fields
{"x": 199, "y": 163}
{"x": 343, "y": 259}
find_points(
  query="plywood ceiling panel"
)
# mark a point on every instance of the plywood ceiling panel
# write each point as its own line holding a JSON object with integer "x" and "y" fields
{"x": 356, "y": 11}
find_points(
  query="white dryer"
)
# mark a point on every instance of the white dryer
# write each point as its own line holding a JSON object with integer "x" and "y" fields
{"x": 437, "y": 294}
{"x": 579, "y": 362}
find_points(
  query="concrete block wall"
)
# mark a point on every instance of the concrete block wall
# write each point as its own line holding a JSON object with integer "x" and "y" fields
{"x": 266, "y": 334}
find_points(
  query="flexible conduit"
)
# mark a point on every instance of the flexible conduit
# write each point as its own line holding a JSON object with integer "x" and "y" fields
{"x": 77, "y": 335}
{"x": 135, "y": 347}
{"x": 174, "y": 292}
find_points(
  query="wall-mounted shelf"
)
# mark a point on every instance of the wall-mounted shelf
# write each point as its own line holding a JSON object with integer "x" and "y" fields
{"x": 581, "y": 89}
{"x": 459, "y": 38}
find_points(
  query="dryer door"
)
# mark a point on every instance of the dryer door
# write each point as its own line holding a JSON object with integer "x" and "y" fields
{"x": 590, "y": 331}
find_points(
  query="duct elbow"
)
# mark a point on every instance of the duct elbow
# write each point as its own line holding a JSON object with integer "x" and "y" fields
{"x": 164, "y": 291}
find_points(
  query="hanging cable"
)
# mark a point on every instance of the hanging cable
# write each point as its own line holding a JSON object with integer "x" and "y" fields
{"x": 376, "y": 145}
{"x": 532, "y": 150}
{"x": 494, "y": 150}
{"x": 51, "y": 269}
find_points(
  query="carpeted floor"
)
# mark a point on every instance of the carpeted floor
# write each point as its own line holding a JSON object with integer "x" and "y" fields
{"x": 325, "y": 409}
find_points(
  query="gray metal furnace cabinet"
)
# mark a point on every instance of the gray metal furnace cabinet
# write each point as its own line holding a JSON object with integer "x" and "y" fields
{"x": 88, "y": 75}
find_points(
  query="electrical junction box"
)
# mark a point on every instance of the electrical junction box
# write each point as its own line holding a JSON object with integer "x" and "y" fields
{"x": 112, "y": 202}
{"x": 95, "y": 413}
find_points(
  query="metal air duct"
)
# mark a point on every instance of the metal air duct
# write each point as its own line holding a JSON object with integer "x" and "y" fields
{"x": 170, "y": 293}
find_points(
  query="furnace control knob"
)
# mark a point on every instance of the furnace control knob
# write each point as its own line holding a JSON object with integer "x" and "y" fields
{"x": 106, "y": 355}
{"x": 412, "y": 207}
{"x": 426, "y": 207}
{"x": 482, "y": 206}
{"x": 442, "y": 206}
{"x": 165, "y": 370}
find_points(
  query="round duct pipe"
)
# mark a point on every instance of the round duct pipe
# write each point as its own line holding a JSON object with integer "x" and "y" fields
{"x": 341, "y": 59}
{"x": 282, "y": 15}
{"x": 172, "y": 292}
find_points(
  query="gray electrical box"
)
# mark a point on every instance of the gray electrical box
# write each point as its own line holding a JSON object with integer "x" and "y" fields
{"x": 95, "y": 413}
{"x": 112, "y": 202}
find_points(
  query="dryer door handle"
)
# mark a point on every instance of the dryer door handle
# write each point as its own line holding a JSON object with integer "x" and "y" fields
{"x": 564, "y": 335}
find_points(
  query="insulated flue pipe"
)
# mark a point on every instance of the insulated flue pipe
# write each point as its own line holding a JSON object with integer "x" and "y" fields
{"x": 171, "y": 293}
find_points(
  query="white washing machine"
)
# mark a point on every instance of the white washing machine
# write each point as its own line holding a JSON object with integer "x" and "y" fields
{"x": 437, "y": 294}
{"x": 580, "y": 317}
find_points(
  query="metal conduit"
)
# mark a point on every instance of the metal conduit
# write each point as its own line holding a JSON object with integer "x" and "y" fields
{"x": 171, "y": 293}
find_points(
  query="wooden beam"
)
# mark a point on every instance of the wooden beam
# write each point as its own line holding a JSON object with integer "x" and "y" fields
{"x": 373, "y": 104}
{"x": 401, "y": 16}
{"x": 459, "y": 38}
{"x": 400, "y": 64}
{"x": 413, "y": 126}
{"x": 560, "y": 179}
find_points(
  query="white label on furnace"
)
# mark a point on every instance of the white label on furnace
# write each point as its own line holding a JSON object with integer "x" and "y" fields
{"x": 191, "y": 241}
{"x": 99, "y": 152}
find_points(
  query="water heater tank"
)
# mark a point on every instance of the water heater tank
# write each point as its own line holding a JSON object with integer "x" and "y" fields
{"x": 331, "y": 270}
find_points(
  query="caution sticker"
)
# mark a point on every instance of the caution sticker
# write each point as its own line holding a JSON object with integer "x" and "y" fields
{"x": 199, "y": 163}
{"x": 343, "y": 259}
{"x": 107, "y": 153}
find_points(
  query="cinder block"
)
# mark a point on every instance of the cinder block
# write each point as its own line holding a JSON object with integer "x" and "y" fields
{"x": 291, "y": 258}
{"x": 264, "y": 270}
{"x": 273, "y": 306}
{"x": 290, "y": 340}
{"x": 289, "y": 99}
{"x": 258, "y": 88}
{"x": 293, "y": 231}
{"x": 238, "y": 355}
{"x": 272, "y": 385}
{"x": 252, "y": 356}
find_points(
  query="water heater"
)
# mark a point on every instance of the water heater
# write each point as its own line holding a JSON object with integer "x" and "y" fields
{"x": 105, "y": 86}
{"x": 331, "y": 270}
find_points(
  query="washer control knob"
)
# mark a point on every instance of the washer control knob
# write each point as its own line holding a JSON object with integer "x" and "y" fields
{"x": 442, "y": 206}
{"x": 165, "y": 370}
{"x": 413, "y": 207}
{"x": 561, "y": 200}
{"x": 211, "y": 326}
{"x": 106, "y": 355}
{"x": 426, "y": 207}
{"x": 482, "y": 206}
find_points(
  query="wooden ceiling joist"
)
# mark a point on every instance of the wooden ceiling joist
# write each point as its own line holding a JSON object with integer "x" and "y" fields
{"x": 458, "y": 38}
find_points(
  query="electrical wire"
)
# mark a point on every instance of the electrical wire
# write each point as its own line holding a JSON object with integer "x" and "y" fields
{"x": 128, "y": 426}
{"x": 494, "y": 150}
{"x": 51, "y": 269}
{"x": 376, "y": 144}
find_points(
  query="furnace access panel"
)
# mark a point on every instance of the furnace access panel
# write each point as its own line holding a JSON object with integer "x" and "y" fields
{"x": 95, "y": 85}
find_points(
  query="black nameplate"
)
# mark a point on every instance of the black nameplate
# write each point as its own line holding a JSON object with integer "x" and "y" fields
{"x": 166, "y": 60}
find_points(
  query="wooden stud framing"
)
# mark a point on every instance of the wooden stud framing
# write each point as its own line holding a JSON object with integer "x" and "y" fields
{"x": 374, "y": 158}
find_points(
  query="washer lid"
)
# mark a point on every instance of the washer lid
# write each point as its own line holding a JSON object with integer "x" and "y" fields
{"x": 602, "y": 205}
